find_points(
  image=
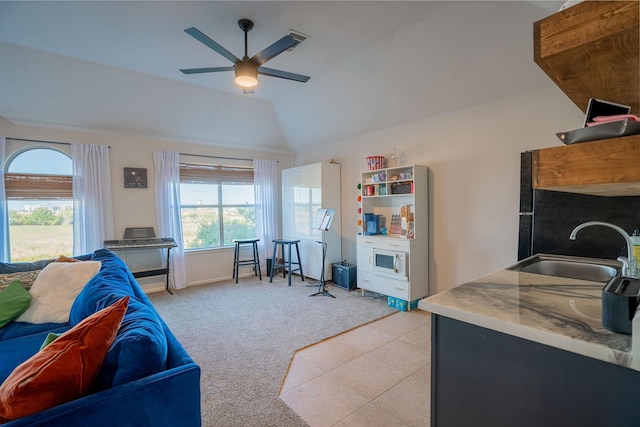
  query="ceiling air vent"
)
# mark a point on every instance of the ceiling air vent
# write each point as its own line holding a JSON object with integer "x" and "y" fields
{"x": 299, "y": 37}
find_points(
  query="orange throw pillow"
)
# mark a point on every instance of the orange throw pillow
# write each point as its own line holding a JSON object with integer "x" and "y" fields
{"x": 63, "y": 258}
{"x": 65, "y": 369}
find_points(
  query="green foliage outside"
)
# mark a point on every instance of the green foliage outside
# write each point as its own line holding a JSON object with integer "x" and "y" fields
{"x": 239, "y": 223}
{"x": 242, "y": 226}
{"x": 43, "y": 233}
{"x": 40, "y": 216}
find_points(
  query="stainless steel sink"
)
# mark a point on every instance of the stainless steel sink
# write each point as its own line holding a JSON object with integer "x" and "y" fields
{"x": 595, "y": 269}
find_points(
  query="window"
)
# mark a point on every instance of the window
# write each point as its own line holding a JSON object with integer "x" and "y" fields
{"x": 217, "y": 205}
{"x": 307, "y": 200}
{"x": 40, "y": 200}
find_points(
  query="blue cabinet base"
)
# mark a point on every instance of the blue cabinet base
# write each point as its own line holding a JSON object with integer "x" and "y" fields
{"x": 480, "y": 377}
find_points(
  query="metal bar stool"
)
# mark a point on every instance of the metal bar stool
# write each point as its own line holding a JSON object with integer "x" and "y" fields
{"x": 255, "y": 261}
{"x": 286, "y": 260}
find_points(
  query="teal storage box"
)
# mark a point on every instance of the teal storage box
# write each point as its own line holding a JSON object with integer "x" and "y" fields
{"x": 391, "y": 302}
{"x": 403, "y": 305}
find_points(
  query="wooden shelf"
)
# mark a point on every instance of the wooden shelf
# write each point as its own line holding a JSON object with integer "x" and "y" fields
{"x": 590, "y": 50}
{"x": 609, "y": 167}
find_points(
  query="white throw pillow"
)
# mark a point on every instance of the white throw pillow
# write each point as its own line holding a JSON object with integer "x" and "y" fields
{"x": 55, "y": 289}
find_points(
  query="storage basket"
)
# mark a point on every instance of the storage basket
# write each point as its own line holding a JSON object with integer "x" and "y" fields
{"x": 375, "y": 162}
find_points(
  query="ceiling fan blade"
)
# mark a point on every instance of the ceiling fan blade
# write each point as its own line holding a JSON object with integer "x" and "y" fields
{"x": 283, "y": 74}
{"x": 206, "y": 70}
{"x": 206, "y": 40}
{"x": 275, "y": 49}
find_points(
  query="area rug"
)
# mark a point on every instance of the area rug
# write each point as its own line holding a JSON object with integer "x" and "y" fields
{"x": 244, "y": 335}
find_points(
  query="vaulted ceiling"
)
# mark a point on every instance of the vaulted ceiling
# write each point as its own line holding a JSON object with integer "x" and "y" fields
{"x": 114, "y": 66}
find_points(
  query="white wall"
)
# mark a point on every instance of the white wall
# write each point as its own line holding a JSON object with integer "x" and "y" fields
{"x": 136, "y": 207}
{"x": 474, "y": 161}
{"x": 473, "y": 156}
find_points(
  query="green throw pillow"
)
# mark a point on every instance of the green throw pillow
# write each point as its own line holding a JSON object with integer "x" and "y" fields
{"x": 49, "y": 339}
{"x": 14, "y": 300}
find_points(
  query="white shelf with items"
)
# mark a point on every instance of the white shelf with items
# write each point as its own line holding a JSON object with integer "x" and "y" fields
{"x": 394, "y": 181}
{"x": 386, "y": 191}
{"x": 395, "y": 263}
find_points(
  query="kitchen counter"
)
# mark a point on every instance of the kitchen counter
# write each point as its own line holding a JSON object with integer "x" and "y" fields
{"x": 555, "y": 311}
{"x": 516, "y": 348}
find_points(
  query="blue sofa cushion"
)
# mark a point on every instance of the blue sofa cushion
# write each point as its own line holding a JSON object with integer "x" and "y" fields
{"x": 16, "y": 267}
{"x": 140, "y": 347}
{"x": 19, "y": 329}
{"x": 139, "y": 350}
{"x": 113, "y": 278}
{"x": 7, "y": 268}
{"x": 17, "y": 350}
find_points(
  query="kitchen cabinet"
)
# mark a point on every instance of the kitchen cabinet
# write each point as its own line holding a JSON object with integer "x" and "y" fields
{"x": 504, "y": 380}
{"x": 609, "y": 167}
{"x": 400, "y": 196}
{"x": 514, "y": 348}
{"x": 590, "y": 50}
{"x": 305, "y": 190}
{"x": 408, "y": 286}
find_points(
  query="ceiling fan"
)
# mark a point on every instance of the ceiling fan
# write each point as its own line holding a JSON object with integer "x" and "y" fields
{"x": 247, "y": 69}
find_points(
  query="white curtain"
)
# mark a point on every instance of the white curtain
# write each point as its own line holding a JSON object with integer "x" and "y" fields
{"x": 167, "y": 192}
{"x": 265, "y": 184}
{"x": 92, "y": 205}
{"x": 5, "y": 254}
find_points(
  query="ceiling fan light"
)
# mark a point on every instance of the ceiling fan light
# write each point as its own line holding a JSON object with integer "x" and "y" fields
{"x": 246, "y": 81}
{"x": 246, "y": 74}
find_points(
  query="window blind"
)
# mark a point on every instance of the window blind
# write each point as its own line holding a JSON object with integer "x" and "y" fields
{"x": 23, "y": 186}
{"x": 215, "y": 174}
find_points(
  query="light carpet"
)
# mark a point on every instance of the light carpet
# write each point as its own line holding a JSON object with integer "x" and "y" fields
{"x": 244, "y": 335}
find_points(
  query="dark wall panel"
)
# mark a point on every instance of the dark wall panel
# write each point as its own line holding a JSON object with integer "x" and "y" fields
{"x": 556, "y": 214}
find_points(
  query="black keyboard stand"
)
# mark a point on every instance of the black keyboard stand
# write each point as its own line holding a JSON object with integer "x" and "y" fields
{"x": 321, "y": 288}
{"x": 157, "y": 272}
{"x": 165, "y": 243}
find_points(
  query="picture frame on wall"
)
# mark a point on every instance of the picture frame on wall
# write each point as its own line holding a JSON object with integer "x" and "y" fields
{"x": 135, "y": 177}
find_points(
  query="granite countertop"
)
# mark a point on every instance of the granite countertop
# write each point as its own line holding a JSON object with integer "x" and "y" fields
{"x": 555, "y": 311}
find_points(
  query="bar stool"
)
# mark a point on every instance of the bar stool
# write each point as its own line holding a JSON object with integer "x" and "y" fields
{"x": 255, "y": 261}
{"x": 286, "y": 260}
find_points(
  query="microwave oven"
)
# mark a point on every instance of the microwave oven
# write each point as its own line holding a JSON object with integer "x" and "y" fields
{"x": 391, "y": 262}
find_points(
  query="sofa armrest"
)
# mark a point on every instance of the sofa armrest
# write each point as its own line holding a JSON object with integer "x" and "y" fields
{"x": 168, "y": 398}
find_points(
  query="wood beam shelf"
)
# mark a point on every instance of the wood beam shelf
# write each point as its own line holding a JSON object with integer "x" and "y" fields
{"x": 590, "y": 50}
{"x": 609, "y": 167}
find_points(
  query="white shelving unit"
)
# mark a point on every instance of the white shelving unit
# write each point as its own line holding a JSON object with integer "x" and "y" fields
{"x": 392, "y": 192}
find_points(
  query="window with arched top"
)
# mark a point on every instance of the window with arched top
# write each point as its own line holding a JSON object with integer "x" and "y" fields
{"x": 38, "y": 187}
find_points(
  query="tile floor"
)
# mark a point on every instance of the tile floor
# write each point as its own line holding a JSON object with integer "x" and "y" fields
{"x": 374, "y": 375}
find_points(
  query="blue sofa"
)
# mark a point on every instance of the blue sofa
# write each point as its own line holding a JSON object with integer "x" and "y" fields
{"x": 147, "y": 378}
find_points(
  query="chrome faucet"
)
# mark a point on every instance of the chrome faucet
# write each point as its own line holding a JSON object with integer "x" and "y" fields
{"x": 629, "y": 263}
